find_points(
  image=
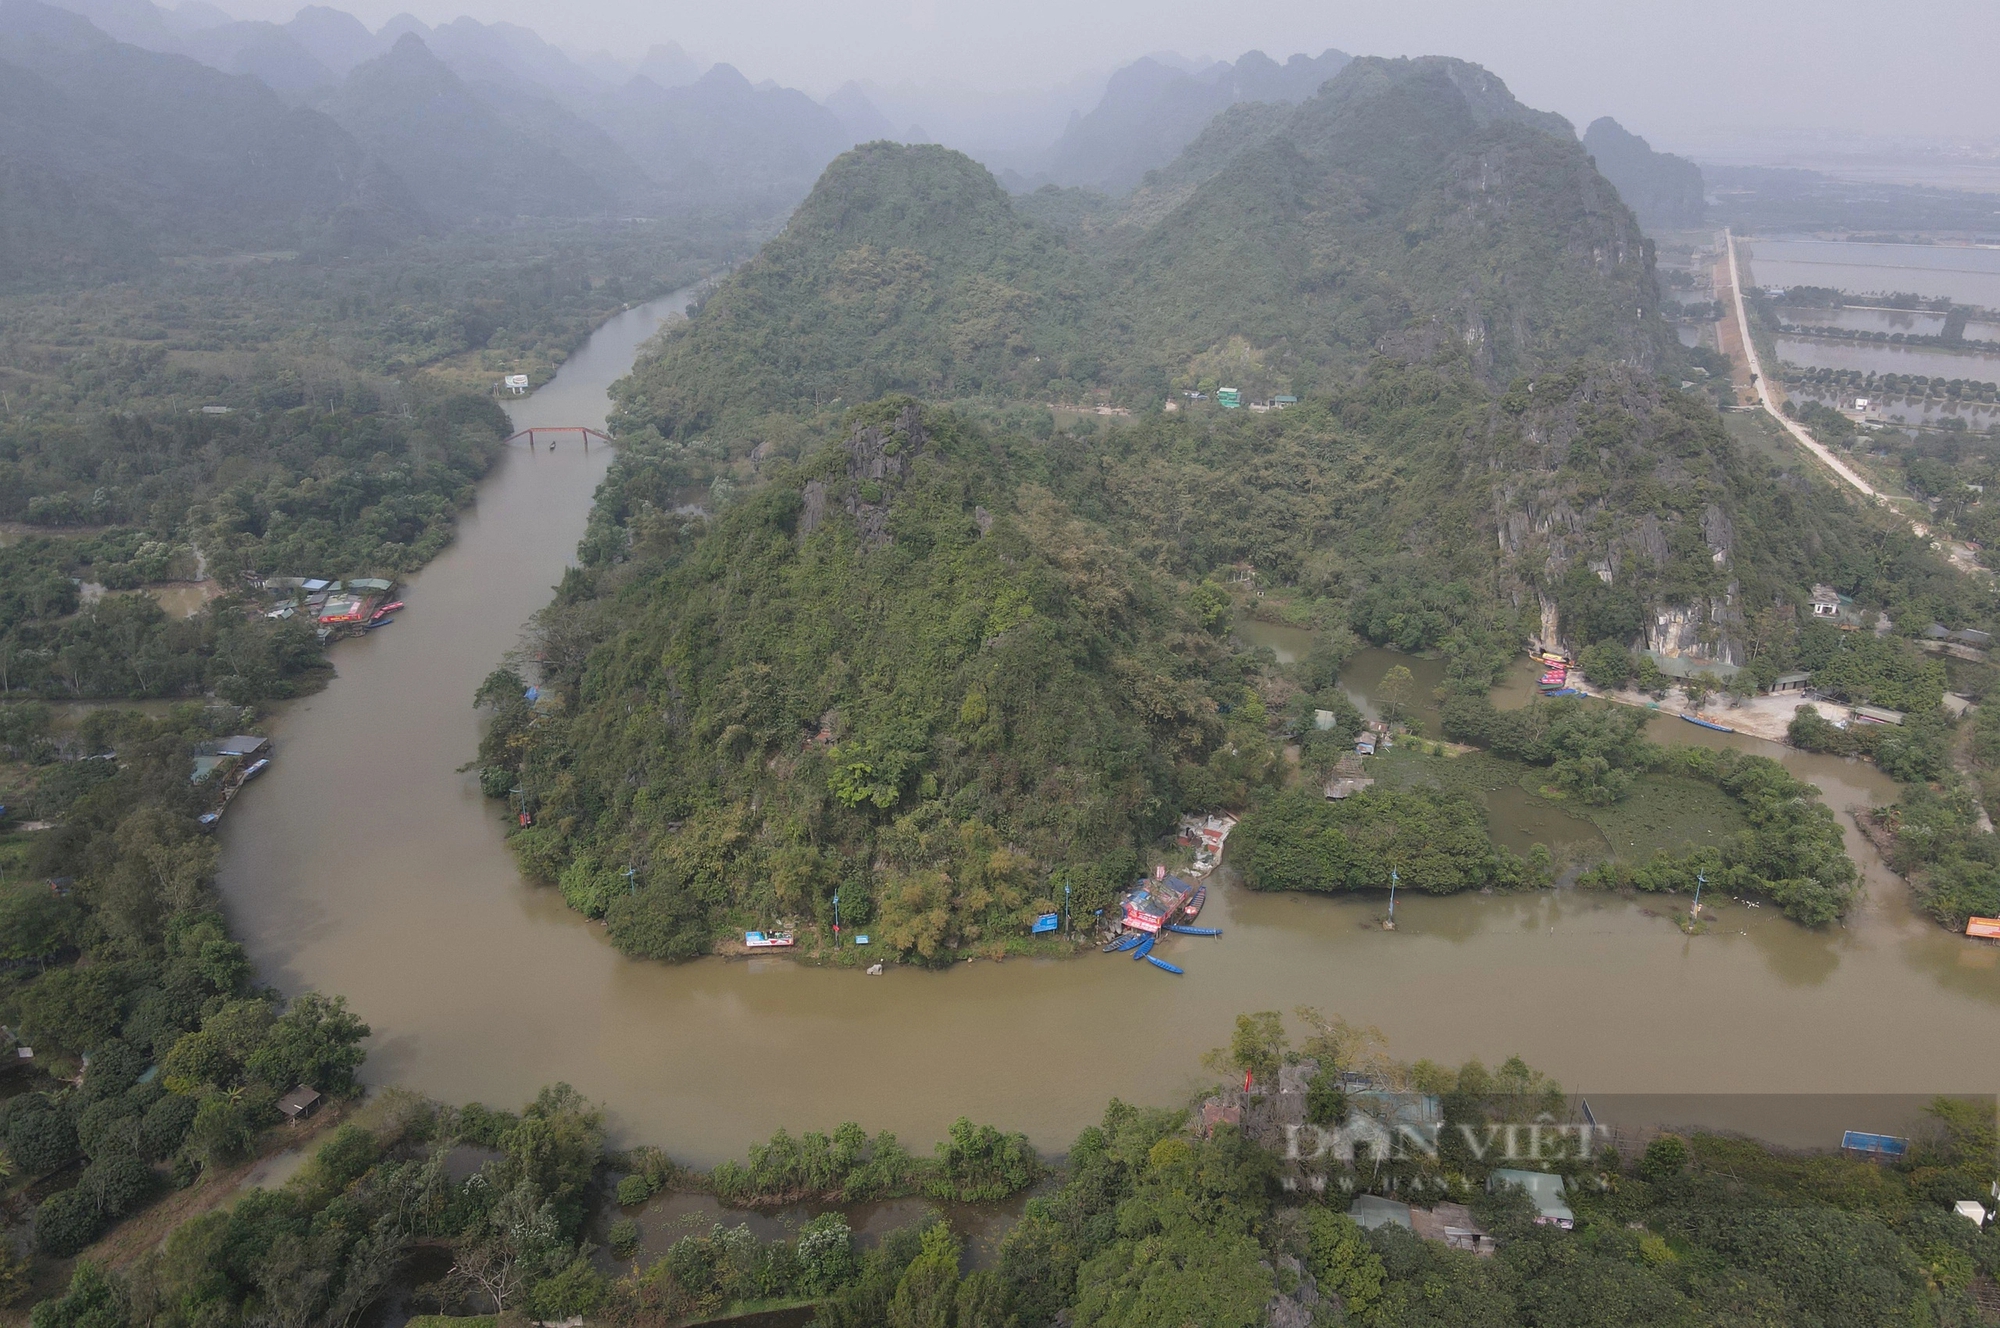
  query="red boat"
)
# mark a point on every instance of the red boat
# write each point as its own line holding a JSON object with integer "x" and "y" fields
{"x": 387, "y": 609}
{"x": 1195, "y": 901}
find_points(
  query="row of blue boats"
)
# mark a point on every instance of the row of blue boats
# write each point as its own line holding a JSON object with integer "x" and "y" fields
{"x": 1141, "y": 945}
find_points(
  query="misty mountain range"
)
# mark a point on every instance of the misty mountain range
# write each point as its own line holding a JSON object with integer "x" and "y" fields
{"x": 129, "y": 130}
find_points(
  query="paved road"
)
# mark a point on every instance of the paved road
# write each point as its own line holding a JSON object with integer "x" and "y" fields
{"x": 1757, "y": 379}
{"x": 1957, "y": 554}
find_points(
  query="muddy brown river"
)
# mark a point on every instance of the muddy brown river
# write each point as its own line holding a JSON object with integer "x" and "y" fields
{"x": 366, "y": 863}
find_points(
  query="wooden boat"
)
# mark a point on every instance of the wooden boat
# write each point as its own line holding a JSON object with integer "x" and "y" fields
{"x": 1163, "y": 964}
{"x": 1125, "y": 942}
{"x": 378, "y": 622}
{"x": 256, "y": 768}
{"x": 1195, "y": 931}
{"x": 1708, "y": 723}
{"x": 1145, "y": 948}
{"x": 1195, "y": 901}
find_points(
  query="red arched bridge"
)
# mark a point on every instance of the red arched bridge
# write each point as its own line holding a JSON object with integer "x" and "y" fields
{"x": 587, "y": 432}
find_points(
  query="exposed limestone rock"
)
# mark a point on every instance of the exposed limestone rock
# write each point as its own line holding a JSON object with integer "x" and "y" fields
{"x": 878, "y": 458}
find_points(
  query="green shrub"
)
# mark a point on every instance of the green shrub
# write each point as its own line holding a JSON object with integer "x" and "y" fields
{"x": 67, "y": 1221}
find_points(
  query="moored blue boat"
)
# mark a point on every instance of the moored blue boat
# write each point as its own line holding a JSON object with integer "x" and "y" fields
{"x": 1124, "y": 942}
{"x": 1196, "y": 931}
{"x": 1708, "y": 723}
{"x": 1161, "y": 963}
{"x": 1145, "y": 948}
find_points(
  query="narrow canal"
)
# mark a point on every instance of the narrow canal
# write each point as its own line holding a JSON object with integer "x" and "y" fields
{"x": 367, "y": 863}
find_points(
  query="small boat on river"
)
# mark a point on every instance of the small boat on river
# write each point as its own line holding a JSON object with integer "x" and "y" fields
{"x": 1195, "y": 931}
{"x": 1145, "y": 949}
{"x": 1125, "y": 942}
{"x": 1163, "y": 964}
{"x": 1708, "y": 723}
{"x": 1195, "y": 901}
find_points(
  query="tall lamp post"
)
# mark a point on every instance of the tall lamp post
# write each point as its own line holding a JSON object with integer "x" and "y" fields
{"x": 1700, "y": 879}
{"x": 836, "y": 922}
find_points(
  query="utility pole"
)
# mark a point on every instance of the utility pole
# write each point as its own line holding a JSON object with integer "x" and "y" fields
{"x": 1700, "y": 879}
{"x": 836, "y": 922}
{"x": 1066, "y": 907}
{"x": 628, "y": 874}
{"x": 1392, "y": 900}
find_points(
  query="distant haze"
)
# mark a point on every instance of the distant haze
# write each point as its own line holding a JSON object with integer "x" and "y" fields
{"x": 1683, "y": 73}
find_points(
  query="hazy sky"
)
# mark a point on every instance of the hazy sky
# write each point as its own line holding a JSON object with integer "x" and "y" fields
{"x": 1674, "y": 69}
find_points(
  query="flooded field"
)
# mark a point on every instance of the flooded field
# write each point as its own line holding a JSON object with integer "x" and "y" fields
{"x": 1906, "y": 321}
{"x": 1876, "y": 357}
{"x": 367, "y": 863}
{"x": 1907, "y": 410}
{"x": 1956, "y": 272}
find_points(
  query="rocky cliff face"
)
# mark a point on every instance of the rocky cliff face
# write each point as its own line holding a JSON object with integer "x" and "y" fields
{"x": 1612, "y": 501}
{"x": 877, "y": 458}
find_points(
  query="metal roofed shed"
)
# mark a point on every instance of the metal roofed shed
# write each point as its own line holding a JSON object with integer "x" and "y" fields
{"x": 298, "y": 1104}
{"x": 1790, "y": 682}
{"x": 368, "y": 583}
{"x": 1372, "y": 1211}
{"x": 1544, "y": 1191}
{"x": 243, "y": 744}
{"x": 1876, "y": 714}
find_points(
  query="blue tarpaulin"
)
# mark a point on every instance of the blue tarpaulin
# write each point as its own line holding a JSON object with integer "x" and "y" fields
{"x": 1887, "y": 1145}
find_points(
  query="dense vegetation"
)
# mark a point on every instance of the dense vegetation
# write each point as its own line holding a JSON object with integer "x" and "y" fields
{"x": 116, "y": 951}
{"x": 1435, "y": 842}
{"x": 1380, "y": 213}
{"x": 213, "y": 421}
{"x": 862, "y": 678}
{"x": 1147, "y": 1222}
{"x": 749, "y": 758}
{"x": 1791, "y": 852}
{"x": 1933, "y": 835}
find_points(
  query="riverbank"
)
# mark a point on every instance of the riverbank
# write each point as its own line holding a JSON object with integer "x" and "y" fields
{"x": 482, "y": 987}
{"x": 1765, "y": 717}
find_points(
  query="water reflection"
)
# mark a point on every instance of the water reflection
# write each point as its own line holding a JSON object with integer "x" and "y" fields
{"x": 1880, "y": 358}
{"x": 1957, "y": 272}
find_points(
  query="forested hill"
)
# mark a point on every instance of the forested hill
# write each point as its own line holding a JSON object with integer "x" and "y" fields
{"x": 112, "y": 153}
{"x": 1412, "y": 208}
{"x": 1665, "y": 191}
{"x": 906, "y": 269}
{"x": 948, "y": 660}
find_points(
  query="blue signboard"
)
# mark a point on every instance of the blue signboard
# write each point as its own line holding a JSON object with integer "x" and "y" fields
{"x": 1047, "y": 922}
